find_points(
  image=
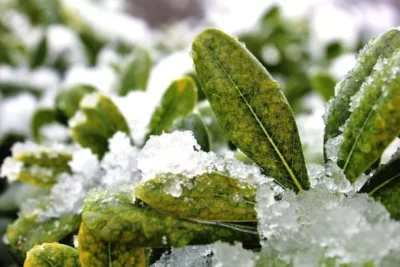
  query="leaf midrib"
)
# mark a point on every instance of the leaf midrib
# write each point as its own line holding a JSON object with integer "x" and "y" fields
{"x": 383, "y": 184}
{"x": 289, "y": 170}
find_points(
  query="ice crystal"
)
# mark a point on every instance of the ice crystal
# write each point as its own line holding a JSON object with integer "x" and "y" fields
{"x": 192, "y": 256}
{"x": 319, "y": 225}
{"x": 225, "y": 255}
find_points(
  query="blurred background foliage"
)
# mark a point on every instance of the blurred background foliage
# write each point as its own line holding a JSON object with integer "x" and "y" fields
{"x": 48, "y": 46}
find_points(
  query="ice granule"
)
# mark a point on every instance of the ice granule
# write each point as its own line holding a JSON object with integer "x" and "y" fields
{"x": 11, "y": 169}
{"x": 84, "y": 162}
{"x": 120, "y": 164}
{"x": 331, "y": 177}
{"x": 332, "y": 147}
{"x": 225, "y": 255}
{"x": 55, "y": 132}
{"x": 307, "y": 228}
{"x": 191, "y": 256}
{"x": 179, "y": 153}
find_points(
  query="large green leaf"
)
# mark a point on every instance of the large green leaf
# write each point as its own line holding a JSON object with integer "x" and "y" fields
{"x": 95, "y": 252}
{"x": 52, "y": 255}
{"x": 251, "y": 107}
{"x": 194, "y": 123}
{"x": 112, "y": 217}
{"x": 136, "y": 73}
{"x": 384, "y": 186}
{"x": 26, "y": 232}
{"x": 339, "y": 108}
{"x": 40, "y": 118}
{"x": 178, "y": 101}
{"x": 68, "y": 101}
{"x": 97, "y": 121}
{"x": 211, "y": 196}
{"x": 375, "y": 121}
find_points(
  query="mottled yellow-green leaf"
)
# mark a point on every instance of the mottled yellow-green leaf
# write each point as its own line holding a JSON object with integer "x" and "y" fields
{"x": 136, "y": 72}
{"x": 67, "y": 101}
{"x": 194, "y": 123}
{"x": 251, "y": 107}
{"x": 42, "y": 168}
{"x": 112, "y": 217}
{"x": 375, "y": 120}
{"x": 338, "y": 112}
{"x": 213, "y": 197}
{"x": 26, "y": 232}
{"x": 93, "y": 252}
{"x": 40, "y": 118}
{"x": 178, "y": 101}
{"x": 384, "y": 186}
{"x": 52, "y": 255}
{"x": 97, "y": 120}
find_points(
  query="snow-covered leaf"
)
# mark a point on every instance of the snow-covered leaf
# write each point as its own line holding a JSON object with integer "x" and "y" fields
{"x": 95, "y": 252}
{"x": 114, "y": 217}
{"x": 194, "y": 123}
{"x": 178, "y": 101}
{"x": 211, "y": 196}
{"x": 339, "y": 107}
{"x": 37, "y": 165}
{"x": 97, "y": 120}
{"x": 52, "y": 255}
{"x": 26, "y": 232}
{"x": 135, "y": 74}
{"x": 251, "y": 107}
{"x": 375, "y": 120}
{"x": 384, "y": 186}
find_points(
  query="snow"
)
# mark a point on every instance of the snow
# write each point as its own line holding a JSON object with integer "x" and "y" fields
{"x": 102, "y": 78}
{"x": 137, "y": 107}
{"x": 11, "y": 169}
{"x": 78, "y": 118}
{"x": 191, "y": 256}
{"x": 333, "y": 146}
{"x": 225, "y": 255}
{"x": 55, "y": 132}
{"x": 118, "y": 167}
{"x": 90, "y": 100}
{"x": 313, "y": 225}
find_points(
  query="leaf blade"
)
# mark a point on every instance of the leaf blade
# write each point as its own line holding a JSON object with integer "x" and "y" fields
{"x": 52, "y": 255}
{"x": 251, "y": 107}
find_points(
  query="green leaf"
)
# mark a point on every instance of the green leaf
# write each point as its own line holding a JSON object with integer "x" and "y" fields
{"x": 324, "y": 84}
{"x": 384, "y": 186}
{"x": 251, "y": 107}
{"x": 39, "y": 54}
{"x": 178, "y": 101}
{"x": 40, "y": 118}
{"x": 95, "y": 252}
{"x": 42, "y": 168}
{"x": 52, "y": 255}
{"x": 213, "y": 197}
{"x": 382, "y": 47}
{"x": 194, "y": 123}
{"x": 68, "y": 101}
{"x": 26, "y": 232}
{"x": 98, "y": 120}
{"x": 375, "y": 120}
{"x": 113, "y": 217}
{"x": 11, "y": 88}
{"x": 136, "y": 72}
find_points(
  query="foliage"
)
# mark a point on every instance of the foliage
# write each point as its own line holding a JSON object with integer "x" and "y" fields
{"x": 129, "y": 195}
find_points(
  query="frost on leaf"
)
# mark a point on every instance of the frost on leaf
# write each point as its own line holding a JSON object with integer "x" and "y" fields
{"x": 225, "y": 255}
{"x": 52, "y": 255}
